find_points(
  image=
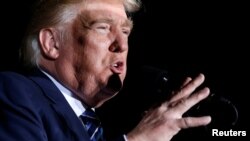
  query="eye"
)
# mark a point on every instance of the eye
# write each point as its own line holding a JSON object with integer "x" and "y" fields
{"x": 126, "y": 31}
{"x": 102, "y": 27}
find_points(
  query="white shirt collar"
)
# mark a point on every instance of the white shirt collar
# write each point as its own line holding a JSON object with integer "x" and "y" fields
{"x": 74, "y": 102}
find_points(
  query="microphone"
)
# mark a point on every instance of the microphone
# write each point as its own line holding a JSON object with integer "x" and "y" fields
{"x": 155, "y": 79}
{"x": 157, "y": 85}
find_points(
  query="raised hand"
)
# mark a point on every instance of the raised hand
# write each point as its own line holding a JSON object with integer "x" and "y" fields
{"x": 165, "y": 121}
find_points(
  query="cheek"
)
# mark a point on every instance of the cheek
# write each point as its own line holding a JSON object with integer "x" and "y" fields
{"x": 84, "y": 52}
{"x": 96, "y": 50}
{"x": 89, "y": 58}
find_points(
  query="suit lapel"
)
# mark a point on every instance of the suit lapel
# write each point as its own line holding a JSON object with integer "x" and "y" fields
{"x": 60, "y": 105}
{"x": 71, "y": 121}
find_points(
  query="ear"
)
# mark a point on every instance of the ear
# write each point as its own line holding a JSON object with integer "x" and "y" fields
{"x": 49, "y": 42}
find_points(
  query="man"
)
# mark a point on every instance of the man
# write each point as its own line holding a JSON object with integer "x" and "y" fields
{"x": 77, "y": 50}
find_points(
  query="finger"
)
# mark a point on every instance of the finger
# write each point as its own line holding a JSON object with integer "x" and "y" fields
{"x": 187, "y": 103}
{"x": 187, "y": 80}
{"x": 189, "y": 88}
{"x": 188, "y": 122}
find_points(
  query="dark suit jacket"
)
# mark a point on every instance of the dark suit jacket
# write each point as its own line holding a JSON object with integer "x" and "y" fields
{"x": 33, "y": 109}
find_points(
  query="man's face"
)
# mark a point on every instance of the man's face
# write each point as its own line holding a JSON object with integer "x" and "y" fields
{"x": 96, "y": 53}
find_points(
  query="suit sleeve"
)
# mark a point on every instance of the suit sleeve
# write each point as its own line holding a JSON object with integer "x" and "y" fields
{"x": 19, "y": 120}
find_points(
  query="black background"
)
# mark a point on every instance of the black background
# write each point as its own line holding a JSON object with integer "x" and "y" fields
{"x": 183, "y": 38}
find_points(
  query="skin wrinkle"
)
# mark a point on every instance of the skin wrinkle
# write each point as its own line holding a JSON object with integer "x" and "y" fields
{"x": 87, "y": 20}
{"x": 79, "y": 36}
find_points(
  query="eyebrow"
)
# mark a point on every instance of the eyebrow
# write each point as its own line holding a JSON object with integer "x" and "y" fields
{"x": 126, "y": 23}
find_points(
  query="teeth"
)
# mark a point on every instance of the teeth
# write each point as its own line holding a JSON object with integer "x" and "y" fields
{"x": 115, "y": 65}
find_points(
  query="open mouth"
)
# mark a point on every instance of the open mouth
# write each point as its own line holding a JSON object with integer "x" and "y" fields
{"x": 117, "y": 67}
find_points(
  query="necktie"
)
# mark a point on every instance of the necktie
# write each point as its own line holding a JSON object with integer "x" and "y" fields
{"x": 92, "y": 125}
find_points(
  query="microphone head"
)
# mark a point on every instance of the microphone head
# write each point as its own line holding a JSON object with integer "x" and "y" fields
{"x": 223, "y": 112}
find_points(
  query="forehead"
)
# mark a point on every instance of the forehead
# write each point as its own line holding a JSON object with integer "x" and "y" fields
{"x": 104, "y": 7}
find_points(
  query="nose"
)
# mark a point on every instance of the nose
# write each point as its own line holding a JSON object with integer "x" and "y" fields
{"x": 120, "y": 43}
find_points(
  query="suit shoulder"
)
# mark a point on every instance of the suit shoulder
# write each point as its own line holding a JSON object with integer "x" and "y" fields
{"x": 16, "y": 86}
{"x": 8, "y": 77}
